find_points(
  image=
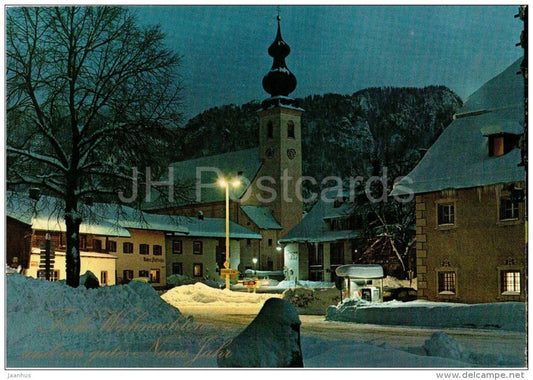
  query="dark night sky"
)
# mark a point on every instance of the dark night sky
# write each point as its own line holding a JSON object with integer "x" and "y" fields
{"x": 339, "y": 49}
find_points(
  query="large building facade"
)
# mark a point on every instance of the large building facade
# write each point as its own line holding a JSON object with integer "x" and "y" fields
{"x": 470, "y": 203}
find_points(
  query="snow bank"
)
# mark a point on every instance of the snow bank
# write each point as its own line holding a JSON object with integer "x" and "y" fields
{"x": 272, "y": 340}
{"x": 50, "y": 324}
{"x": 509, "y": 316}
{"x": 200, "y": 293}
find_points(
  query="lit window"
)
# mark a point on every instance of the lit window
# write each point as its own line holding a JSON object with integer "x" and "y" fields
{"x": 446, "y": 214}
{"x": 500, "y": 144}
{"x": 510, "y": 282}
{"x": 155, "y": 276}
{"x": 54, "y": 275}
{"x": 198, "y": 270}
{"x": 447, "y": 283}
{"x": 508, "y": 209}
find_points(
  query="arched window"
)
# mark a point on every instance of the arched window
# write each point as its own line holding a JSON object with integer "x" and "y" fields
{"x": 290, "y": 129}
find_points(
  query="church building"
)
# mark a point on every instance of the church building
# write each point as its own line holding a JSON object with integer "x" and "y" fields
{"x": 265, "y": 197}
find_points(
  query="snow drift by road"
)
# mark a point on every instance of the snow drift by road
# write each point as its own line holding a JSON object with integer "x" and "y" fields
{"x": 510, "y": 316}
{"x": 51, "y": 325}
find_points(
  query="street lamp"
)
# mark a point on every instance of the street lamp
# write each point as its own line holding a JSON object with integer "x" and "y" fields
{"x": 226, "y": 184}
{"x": 254, "y": 260}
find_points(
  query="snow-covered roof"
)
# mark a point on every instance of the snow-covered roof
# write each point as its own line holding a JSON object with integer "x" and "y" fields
{"x": 368, "y": 271}
{"x": 98, "y": 219}
{"x": 460, "y": 156}
{"x": 262, "y": 217}
{"x": 204, "y": 172}
{"x": 313, "y": 228}
{"x": 215, "y": 228}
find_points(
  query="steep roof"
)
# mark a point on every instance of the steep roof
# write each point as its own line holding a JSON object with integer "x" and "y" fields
{"x": 262, "y": 217}
{"x": 199, "y": 177}
{"x": 314, "y": 229}
{"x": 459, "y": 158}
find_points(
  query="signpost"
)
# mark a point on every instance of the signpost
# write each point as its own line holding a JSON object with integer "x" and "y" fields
{"x": 47, "y": 257}
{"x": 228, "y": 272}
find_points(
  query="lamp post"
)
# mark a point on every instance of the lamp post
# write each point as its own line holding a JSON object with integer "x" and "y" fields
{"x": 225, "y": 184}
{"x": 254, "y": 260}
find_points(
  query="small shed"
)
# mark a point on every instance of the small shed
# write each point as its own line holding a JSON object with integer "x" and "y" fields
{"x": 362, "y": 281}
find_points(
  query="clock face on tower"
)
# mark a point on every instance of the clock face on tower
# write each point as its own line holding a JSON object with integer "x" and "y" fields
{"x": 269, "y": 152}
{"x": 291, "y": 153}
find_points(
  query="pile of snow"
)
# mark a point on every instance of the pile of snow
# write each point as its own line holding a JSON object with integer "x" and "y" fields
{"x": 50, "y": 324}
{"x": 509, "y": 316}
{"x": 272, "y": 340}
{"x": 200, "y": 293}
{"x": 393, "y": 282}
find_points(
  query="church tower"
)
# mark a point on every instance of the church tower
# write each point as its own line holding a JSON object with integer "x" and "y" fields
{"x": 280, "y": 140}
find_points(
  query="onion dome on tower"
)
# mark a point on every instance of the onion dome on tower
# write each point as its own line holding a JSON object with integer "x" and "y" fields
{"x": 279, "y": 82}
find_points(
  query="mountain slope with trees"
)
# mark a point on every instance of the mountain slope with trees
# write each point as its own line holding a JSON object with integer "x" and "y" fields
{"x": 342, "y": 135}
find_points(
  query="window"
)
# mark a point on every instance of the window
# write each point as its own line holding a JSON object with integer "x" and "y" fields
{"x": 144, "y": 249}
{"x": 197, "y": 247}
{"x": 97, "y": 245}
{"x": 270, "y": 242}
{"x": 177, "y": 247}
{"x": 111, "y": 246}
{"x": 316, "y": 256}
{"x": 155, "y": 276}
{"x": 270, "y": 130}
{"x": 157, "y": 250}
{"x": 177, "y": 268}
{"x": 127, "y": 275}
{"x": 510, "y": 282}
{"x": 143, "y": 273}
{"x": 103, "y": 277}
{"x": 503, "y": 143}
{"x": 198, "y": 270}
{"x": 54, "y": 275}
{"x": 447, "y": 282}
{"x": 83, "y": 241}
{"x": 127, "y": 247}
{"x": 336, "y": 253}
{"x": 248, "y": 242}
{"x": 446, "y": 214}
{"x": 290, "y": 129}
{"x": 508, "y": 209}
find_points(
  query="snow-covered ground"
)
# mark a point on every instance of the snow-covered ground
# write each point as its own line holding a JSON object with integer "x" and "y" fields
{"x": 50, "y": 325}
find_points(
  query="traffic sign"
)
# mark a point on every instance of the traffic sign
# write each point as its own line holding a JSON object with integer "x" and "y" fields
{"x": 230, "y": 272}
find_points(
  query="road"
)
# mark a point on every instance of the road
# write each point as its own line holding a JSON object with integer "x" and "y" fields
{"x": 477, "y": 340}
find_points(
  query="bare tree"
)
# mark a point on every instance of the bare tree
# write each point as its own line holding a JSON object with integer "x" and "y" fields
{"x": 90, "y": 93}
